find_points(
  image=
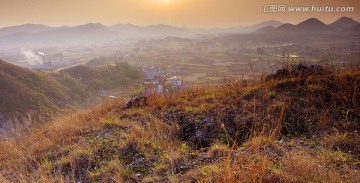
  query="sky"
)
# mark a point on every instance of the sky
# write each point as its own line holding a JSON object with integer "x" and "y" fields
{"x": 181, "y": 13}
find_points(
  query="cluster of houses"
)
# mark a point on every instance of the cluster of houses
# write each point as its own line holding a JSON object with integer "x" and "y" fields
{"x": 161, "y": 80}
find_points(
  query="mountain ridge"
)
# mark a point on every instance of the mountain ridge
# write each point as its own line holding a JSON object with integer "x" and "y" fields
{"x": 94, "y": 33}
{"x": 29, "y": 28}
{"x": 312, "y": 26}
{"x": 343, "y": 23}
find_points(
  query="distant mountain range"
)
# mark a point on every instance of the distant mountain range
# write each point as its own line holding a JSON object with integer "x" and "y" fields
{"x": 314, "y": 26}
{"x": 40, "y": 35}
{"x": 28, "y": 28}
{"x": 37, "y": 35}
{"x": 237, "y": 30}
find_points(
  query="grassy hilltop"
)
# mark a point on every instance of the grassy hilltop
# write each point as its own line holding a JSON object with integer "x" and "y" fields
{"x": 23, "y": 90}
{"x": 289, "y": 129}
{"x": 30, "y": 97}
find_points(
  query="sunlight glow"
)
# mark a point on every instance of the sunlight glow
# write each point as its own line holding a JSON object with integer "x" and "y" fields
{"x": 166, "y": 1}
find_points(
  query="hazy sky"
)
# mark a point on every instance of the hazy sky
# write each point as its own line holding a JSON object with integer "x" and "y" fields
{"x": 185, "y": 13}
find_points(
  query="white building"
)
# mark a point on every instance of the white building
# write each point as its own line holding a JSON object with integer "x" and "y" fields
{"x": 175, "y": 82}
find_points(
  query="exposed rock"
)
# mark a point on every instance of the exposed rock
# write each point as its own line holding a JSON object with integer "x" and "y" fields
{"x": 280, "y": 74}
{"x": 303, "y": 71}
{"x": 201, "y": 133}
{"x": 269, "y": 77}
{"x": 298, "y": 70}
{"x": 316, "y": 69}
{"x": 137, "y": 101}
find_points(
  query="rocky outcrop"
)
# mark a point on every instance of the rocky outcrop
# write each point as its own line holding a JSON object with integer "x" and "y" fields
{"x": 280, "y": 74}
{"x": 298, "y": 70}
{"x": 137, "y": 101}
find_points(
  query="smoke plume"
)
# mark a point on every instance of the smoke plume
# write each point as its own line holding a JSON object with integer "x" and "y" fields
{"x": 31, "y": 57}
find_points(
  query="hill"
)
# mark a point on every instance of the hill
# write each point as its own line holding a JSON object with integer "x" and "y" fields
{"x": 31, "y": 97}
{"x": 284, "y": 28}
{"x": 104, "y": 77}
{"x": 353, "y": 30}
{"x": 27, "y": 96}
{"x": 265, "y": 30}
{"x": 343, "y": 23}
{"x": 29, "y": 28}
{"x": 271, "y": 23}
{"x": 312, "y": 25}
{"x": 300, "y": 125}
{"x": 309, "y": 26}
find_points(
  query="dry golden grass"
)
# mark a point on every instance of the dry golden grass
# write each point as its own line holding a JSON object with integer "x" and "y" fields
{"x": 263, "y": 159}
{"x": 291, "y": 130}
{"x": 24, "y": 156}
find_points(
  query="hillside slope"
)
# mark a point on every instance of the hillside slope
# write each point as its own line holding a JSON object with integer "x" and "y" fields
{"x": 297, "y": 126}
{"x": 104, "y": 77}
{"x": 27, "y": 94}
{"x": 354, "y": 30}
{"x": 343, "y": 23}
{"x": 30, "y": 96}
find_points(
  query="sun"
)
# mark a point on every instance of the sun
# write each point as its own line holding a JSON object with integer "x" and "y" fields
{"x": 166, "y": 1}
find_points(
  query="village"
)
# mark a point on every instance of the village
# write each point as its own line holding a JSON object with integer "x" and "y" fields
{"x": 161, "y": 80}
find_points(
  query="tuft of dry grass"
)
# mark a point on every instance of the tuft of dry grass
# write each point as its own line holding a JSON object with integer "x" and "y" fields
{"x": 318, "y": 166}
